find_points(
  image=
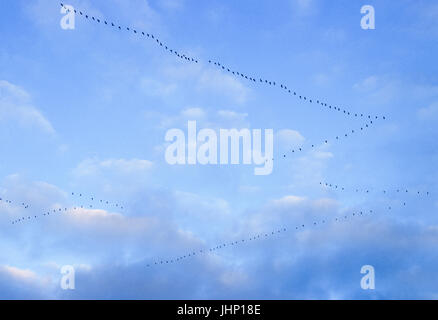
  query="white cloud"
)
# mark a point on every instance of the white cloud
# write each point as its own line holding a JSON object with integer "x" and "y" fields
{"x": 15, "y": 92}
{"x": 303, "y": 3}
{"x": 215, "y": 120}
{"x": 18, "y": 283}
{"x": 324, "y": 204}
{"x": 157, "y": 88}
{"x": 319, "y": 154}
{"x": 206, "y": 79}
{"x": 303, "y": 8}
{"x": 85, "y": 214}
{"x": 105, "y": 246}
{"x": 290, "y": 200}
{"x": 379, "y": 90}
{"x": 234, "y": 278}
{"x": 288, "y": 138}
{"x": 193, "y": 113}
{"x": 228, "y": 85}
{"x": 428, "y": 113}
{"x": 36, "y": 193}
{"x": 289, "y": 211}
{"x": 335, "y": 35}
{"x": 232, "y": 115}
{"x": 367, "y": 84}
{"x": 124, "y": 166}
{"x": 249, "y": 189}
{"x": 205, "y": 118}
{"x": 172, "y": 4}
{"x": 19, "y": 274}
{"x": 200, "y": 205}
{"x": 15, "y": 105}
{"x": 321, "y": 79}
{"x": 180, "y": 119}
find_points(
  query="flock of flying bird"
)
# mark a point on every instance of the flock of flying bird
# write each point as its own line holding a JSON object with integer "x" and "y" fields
{"x": 368, "y": 190}
{"x": 264, "y": 235}
{"x": 221, "y": 66}
{"x": 239, "y": 74}
{"x": 25, "y": 206}
{"x": 254, "y": 80}
{"x": 246, "y": 77}
{"x": 47, "y": 213}
{"x": 326, "y": 141}
{"x": 211, "y": 250}
{"x": 120, "y": 207}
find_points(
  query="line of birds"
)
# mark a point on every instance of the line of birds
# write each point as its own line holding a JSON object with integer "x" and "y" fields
{"x": 64, "y": 209}
{"x": 92, "y": 198}
{"x": 24, "y": 205}
{"x": 264, "y": 235}
{"x": 326, "y": 141}
{"x": 294, "y": 93}
{"x": 367, "y": 190}
{"x": 224, "y": 68}
{"x": 135, "y": 31}
{"x": 218, "y": 64}
{"x": 50, "y": 212}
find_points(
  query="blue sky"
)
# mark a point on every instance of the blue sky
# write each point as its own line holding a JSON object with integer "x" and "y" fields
{"x": 86, "y": 111}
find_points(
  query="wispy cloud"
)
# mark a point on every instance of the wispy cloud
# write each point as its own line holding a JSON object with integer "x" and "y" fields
{"x": 15, "y": 105}
{"x": 95, "y": 166}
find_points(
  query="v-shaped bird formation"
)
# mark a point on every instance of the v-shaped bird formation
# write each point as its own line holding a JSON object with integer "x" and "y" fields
{"x": 254, "y": 79}
{"x": 232, "y": 71}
